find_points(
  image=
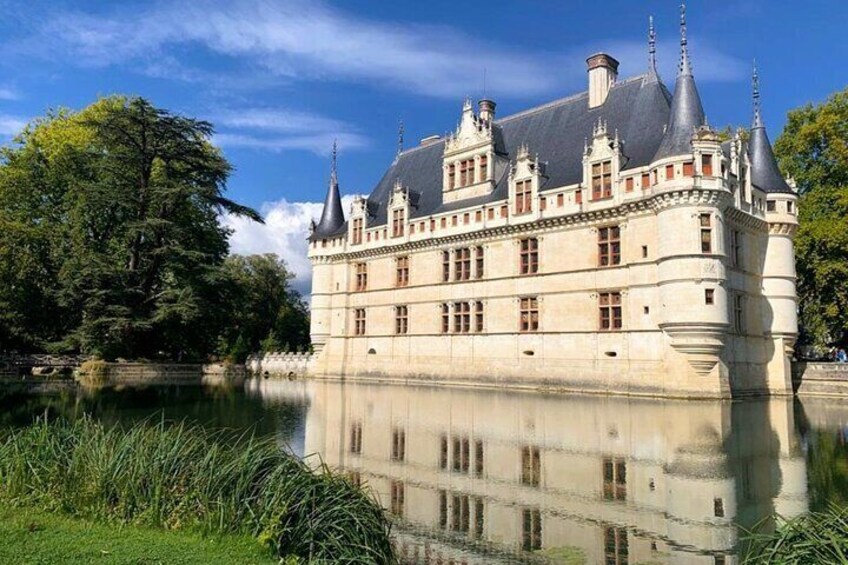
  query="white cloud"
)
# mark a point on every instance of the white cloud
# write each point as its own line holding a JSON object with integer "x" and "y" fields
{"x": 11, "y": 125}
{"x": 284, "y": 233}
{"x": 7, "y": 93}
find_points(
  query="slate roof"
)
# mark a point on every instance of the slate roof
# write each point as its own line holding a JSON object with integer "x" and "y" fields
{"x": 637, "y": 107}
{"x": 332, "y": 220}
{"x": 765, "y": 174}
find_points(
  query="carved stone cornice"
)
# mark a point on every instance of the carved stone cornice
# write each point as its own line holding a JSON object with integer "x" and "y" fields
{"x": 744, "y": 219}
{"x": 782, "y": 228}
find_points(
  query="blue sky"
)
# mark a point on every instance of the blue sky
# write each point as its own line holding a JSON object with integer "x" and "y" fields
{"x": 282, "y": 79}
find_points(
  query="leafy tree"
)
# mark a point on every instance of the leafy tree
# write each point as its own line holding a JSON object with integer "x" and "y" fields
{"x": 266, "y": 313}
{"x": 111, "y": 241}
{"x": 813, "y": 149}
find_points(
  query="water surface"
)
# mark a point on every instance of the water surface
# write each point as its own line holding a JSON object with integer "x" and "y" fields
{"x": 479, "y": 476}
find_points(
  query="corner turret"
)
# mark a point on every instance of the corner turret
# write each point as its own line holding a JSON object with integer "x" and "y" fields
{"x": 332, "y": 217}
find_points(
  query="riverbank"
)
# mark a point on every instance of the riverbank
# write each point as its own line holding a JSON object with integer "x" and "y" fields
{"x": 185, "y": 478}
{"x": 28, "y": 535}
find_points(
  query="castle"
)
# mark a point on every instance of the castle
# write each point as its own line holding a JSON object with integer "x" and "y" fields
{"x": 610, "y": 241}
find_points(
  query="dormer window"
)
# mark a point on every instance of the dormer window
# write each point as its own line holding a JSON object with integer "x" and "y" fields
{"x": 601, "y": 180}
{"x": 524, "y": 196}
{"x": 357, "y": 231}
{"x": 398, "y": 219}
{"x": 466, "y": 172}
{"x": 469, "y": 155}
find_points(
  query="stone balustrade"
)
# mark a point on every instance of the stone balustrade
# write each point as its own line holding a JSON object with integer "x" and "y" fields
{"x": 814, "y": 378}
{"x": 279, "y": 364}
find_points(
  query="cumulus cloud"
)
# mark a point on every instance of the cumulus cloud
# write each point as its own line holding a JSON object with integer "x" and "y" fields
{"x": 7, "y": 93}
{"x": 284, "y": 233}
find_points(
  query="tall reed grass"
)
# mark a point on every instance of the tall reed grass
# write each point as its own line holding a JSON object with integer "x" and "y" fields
{"x": 818, "y": 537}
{"x": 183, "y": 476}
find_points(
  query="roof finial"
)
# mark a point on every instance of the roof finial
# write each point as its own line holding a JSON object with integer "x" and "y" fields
{"x": 684, "y": 50}
{"x": 484, "y": 82}
{"x": 652, "y": 46}
{"x": 333, "y": 176}
{"x": 400, "y": 137}
{"x": 755, "y": 80}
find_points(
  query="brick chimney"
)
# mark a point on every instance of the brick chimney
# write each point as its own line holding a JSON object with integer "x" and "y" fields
{"x": 603, "y": 70}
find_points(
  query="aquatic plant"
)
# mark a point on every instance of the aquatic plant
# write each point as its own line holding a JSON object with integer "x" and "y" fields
{"x": 184, "y": 476}
{"x": 818, "y": 537}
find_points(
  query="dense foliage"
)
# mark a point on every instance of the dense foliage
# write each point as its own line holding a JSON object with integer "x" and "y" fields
{"x": 111, "y": 241}
{"x": 813, "y": 149}
{"x": 184, "y": 477}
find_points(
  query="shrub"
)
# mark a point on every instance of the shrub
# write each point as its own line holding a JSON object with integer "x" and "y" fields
{"x": 183, "y": 476}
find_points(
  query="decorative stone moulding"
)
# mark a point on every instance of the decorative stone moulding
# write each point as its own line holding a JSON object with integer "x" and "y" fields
{"x": 701, "y": 343}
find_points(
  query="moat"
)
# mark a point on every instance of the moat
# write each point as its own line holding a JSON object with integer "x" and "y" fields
{"x": 479, "y": 476}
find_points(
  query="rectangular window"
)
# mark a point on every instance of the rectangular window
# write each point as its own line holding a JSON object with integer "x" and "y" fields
{"x": 578, "y": 196}
{"x": 771, "y": 206}
{"x": 616, "y": 551}
{"x": 490, "y": 214}
{"x": 445, "y": 266}
{"x": 531, "y": 466}
{"x": 478, "y": 459}
{"x": 504, "y": 210}
{"x": 738, "y": 313}
{"x": 398, "y": 219}
{"x": 461, "y": 454}
{"x": 529, "y": 314}
{"x": 356, "y": 438}
{"x": 443, "y": 509}
{"x": 454, "y": 220}
{"x": 478, "y": 216}
{"x": 462, "y": 264}
{"x": 478, "y": 317}
{"x": 707, "y": 165}
{"x": 466, "y": 172}
{"x": 790, "y": 209}
{"x": 359, "y": 321}
{"x": 461, "y": 317}
{"x": 543, "y": 204}
{"x": 397, "y": 498}
{"x": 615, "y": 478}
{"x": 609, "y": 304}
{"x": 361, "y": 277}
{"x": 601, "y": 180}
{"x": 735, "y": 248}
{"x": 460, "y": 513}
{"x": 529, "y": 256}
{"x": 402, "y": 278}
{"x": 706, "y": 233}
{"x": 432, "y": 224}
{"x": 443, "y": 452}
{"x": 444, "y": 223}
{"x": 523, "y": 194}
{"x": 560, "y": 200}
{"x": 445, "y": 318}
{"x": 398, "y": 444}
{"x": 484, "y": 168}
{"x": 709, "y": 296}
{"x": 451, "y": 176}
{"x": 532, "y": 530}
{"x": 357, "y": 231}
{"x": 411, "y": 229}
{"x": 669, "y": 172}
{"x": 688, "y": 169}
{"x": 646, "y": 180}
{"x": 718, "y": 507}
{"x": 628, "y": 184}
{"x": 479, "y": 518}
{"x": 478, "y": 262}
{"x": 609, "y": 246}
{"x": 401, "y": 320}
{"x": 466, "y": 218}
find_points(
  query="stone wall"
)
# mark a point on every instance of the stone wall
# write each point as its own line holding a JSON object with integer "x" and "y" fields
{"x": 279, "y": 364}
{"x": 823, "y": 379}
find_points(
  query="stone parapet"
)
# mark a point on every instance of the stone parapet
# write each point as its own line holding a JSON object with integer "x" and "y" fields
{"x": 820, "y": 379}
{"x": 280, "y": 364}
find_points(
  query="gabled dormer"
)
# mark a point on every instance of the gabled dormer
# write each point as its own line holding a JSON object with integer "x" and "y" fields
{"x": 399, "y": 210}
{"x": 471, "y": 160}
{"x": 358, "y": 220}
{"x": 602, "y": 161}
{"x": 525, "y": 179}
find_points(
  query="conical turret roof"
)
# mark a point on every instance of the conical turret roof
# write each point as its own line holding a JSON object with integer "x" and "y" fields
{"x": 765, "y": 174}
{"x": 332, "y": 217}
{"x": 687, "y": 113}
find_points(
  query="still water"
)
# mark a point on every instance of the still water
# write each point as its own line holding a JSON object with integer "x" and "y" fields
{"x": 477, "y": 476}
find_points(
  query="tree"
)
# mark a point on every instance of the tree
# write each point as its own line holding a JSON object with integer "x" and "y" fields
{"x": 813, "y": 149}
{"x": 266, "y": 313}
{"x": 110, "y": 221}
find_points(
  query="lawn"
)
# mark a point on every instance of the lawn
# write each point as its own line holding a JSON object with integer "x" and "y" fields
{"x": 33, "y": 537}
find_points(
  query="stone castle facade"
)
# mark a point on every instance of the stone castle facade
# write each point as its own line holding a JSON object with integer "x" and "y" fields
{"x": 610, "y": 241}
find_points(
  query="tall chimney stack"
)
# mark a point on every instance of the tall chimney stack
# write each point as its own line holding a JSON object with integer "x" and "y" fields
{"x": 486, "y": 110}
{"x": 603, "y": 70}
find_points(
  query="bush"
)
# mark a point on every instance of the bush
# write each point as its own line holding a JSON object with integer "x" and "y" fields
{"x": 183, "y": 476}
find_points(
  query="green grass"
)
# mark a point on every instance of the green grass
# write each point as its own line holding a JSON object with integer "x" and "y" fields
{"x": 183, "y": 477}
{"x": 36, "y": 537}
{"x": 818, "y": 537}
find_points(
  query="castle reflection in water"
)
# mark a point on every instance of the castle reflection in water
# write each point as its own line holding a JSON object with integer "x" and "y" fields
{"x": 476, "y": 476}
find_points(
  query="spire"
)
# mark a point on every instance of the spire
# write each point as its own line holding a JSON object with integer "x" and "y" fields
{"x": 332, "y": 217}
{"x": 755, "y": 95}
{"x": 687, "y": 113}
{"x": 400, "y": 137}
{"x": 652, "y": 46}
{"x": 765, "y": 174}
{"x": 685, "y": 67}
